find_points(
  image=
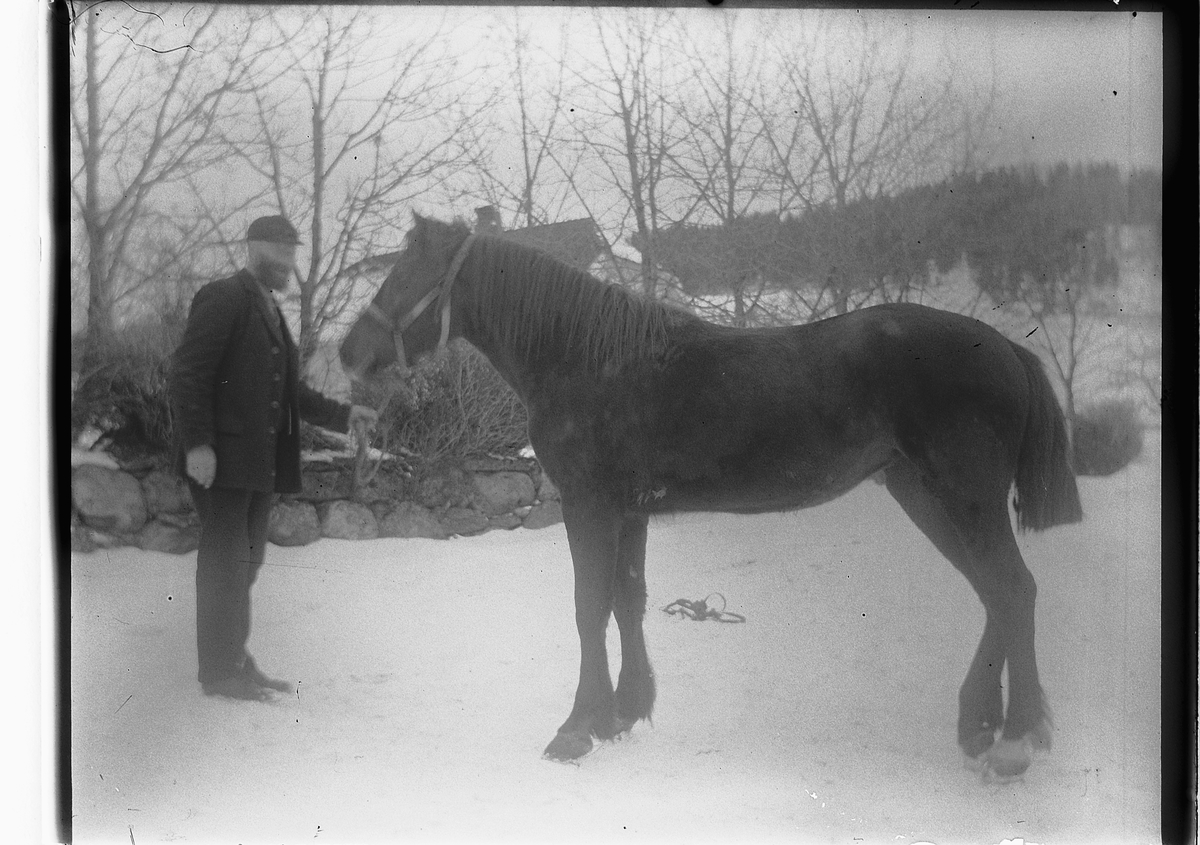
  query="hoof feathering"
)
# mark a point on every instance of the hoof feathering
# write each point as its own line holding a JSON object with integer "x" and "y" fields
{"x": 567, "y": 747}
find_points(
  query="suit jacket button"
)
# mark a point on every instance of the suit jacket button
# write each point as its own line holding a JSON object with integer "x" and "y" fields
{"x": 275, "y": 377}
{"x": 274, "y": 350}
{"x": 274, "y": 404}
{"x": 270, "y": 431}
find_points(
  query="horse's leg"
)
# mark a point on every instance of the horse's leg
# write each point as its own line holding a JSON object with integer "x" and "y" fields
{"x": 1012, "y": 590}
{"x": 592, "y": 532}
{"x": 967, "y": 518}
{"x": 635, "y": 685}
{"x": 980, "y": 701}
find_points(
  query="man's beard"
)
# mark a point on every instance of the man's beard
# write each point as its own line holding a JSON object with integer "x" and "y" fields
{"x": 273, "y": 275}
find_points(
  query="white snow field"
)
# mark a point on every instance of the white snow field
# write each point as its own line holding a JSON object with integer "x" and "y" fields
{"x": 432, "y": 674}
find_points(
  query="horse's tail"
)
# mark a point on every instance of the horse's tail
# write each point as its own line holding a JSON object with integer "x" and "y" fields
{"x": 1046, "y": 490}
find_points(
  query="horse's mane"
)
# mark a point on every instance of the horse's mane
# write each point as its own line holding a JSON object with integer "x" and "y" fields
{"x": 535, "y": 303}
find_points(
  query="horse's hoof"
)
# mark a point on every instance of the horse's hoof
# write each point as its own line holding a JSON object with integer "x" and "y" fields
{"x": 567, "y": 747}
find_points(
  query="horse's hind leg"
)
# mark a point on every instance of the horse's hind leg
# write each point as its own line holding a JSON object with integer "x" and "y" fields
{"x": 1009, "y": 592}
{"x": 980, "y": 700}
{"x": 635, "y": 685}
{"x": 592, "y": 532}
{"x": 972, "y": 529}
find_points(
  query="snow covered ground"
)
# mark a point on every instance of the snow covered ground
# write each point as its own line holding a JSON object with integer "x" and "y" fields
{"x": 432, "y": 673}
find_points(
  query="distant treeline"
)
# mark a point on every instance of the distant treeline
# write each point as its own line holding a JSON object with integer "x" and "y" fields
{"x": 1014, "y": 226}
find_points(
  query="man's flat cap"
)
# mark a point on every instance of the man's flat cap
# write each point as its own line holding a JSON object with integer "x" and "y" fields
{"x": 275, "y": 230}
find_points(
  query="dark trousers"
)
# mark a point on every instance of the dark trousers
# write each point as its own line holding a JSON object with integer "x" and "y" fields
{"x": 233, "y": 537}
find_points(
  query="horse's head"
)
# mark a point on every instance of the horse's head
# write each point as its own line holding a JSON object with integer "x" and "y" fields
{"x": 409, "y": 317}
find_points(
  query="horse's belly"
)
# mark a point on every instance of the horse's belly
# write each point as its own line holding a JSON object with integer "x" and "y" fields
{"x": 762, "y": 488}
{"x": 748, "y": 499}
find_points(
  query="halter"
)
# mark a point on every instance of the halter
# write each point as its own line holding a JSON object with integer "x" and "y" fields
{"x": 441, "y": 292}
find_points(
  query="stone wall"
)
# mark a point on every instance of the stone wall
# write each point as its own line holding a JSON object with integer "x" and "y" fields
{"x": 139, "y": 506}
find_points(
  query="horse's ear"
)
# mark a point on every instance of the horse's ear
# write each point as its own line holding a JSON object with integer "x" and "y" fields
{"x": 417, "y": 232}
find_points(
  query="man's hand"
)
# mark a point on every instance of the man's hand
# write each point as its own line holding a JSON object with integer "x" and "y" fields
{"x": 202, "y": 465}
{"x": 362, "y": 420}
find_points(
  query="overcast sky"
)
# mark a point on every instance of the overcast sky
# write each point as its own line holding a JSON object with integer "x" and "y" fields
{"x": 1071, "y": 86}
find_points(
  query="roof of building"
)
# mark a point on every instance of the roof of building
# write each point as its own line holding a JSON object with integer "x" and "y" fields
{"x": 576, "y": 242}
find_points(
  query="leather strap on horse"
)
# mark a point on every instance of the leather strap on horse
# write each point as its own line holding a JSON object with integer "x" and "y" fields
{"x": 700, "y": 611}
{"x": 441, "y": 293}
{"x": 447, "y": 284}
{"x": 362, "y": 475}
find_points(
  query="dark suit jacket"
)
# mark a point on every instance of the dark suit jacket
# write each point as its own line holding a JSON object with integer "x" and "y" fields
{"x": 235, "y": 386}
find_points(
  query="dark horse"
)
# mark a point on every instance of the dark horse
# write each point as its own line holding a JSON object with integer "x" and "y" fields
{"x": 637, "y": 408}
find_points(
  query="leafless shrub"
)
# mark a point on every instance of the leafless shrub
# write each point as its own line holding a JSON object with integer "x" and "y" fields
{"x": 451, "y": 408}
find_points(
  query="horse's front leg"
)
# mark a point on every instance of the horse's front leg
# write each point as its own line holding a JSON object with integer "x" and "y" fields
{"x": 635, "y": 685}
{"x": 593, "y": 531}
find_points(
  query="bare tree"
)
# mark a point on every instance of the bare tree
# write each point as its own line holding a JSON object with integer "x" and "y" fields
{"x": 383, "y": 124}
{"x": 1047, "y": 253}
{"x": 718, "y": 164}
{"x": 628, "y": 133}
{"x": 857, "y": 123}
{"x": 144, "y": 107}
{"x": 1073, "y": 318}
{"x": 1140, "y": 371}
{"x": 874, "y": 126}
{"x": 525, "y": 103}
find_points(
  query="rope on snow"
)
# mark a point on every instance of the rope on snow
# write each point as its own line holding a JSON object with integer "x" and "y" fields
{"x": 699, "y": 610}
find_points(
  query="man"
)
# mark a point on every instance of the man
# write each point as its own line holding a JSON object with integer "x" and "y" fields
{"x": 237, "y": 400}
